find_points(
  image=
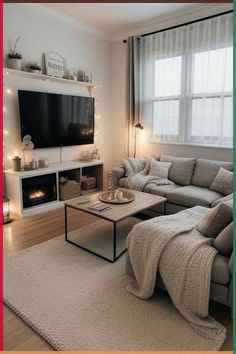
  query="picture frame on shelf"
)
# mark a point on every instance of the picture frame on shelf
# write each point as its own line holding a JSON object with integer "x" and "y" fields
{"x": 55, "y": 65}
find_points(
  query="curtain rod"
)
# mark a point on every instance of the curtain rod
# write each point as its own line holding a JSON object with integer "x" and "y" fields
{"x": 185, "y": 24}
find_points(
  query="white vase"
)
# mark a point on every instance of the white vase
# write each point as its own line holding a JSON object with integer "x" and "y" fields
{"x": 14, "y": 63}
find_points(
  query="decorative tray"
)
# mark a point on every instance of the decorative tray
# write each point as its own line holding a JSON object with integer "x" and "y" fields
{"x": 117, "y": 197}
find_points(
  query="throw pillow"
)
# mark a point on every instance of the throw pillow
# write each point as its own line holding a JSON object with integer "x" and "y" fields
{"x": 133, "y": 165}
{"x": 223, "y": 182}
{"x": 224, "y": 241}
{"x": 159, "y": 169}
{"x": 215, "y": 220}
{"x": 181, "y": 169}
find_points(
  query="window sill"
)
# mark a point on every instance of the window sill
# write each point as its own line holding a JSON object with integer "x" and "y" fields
{"x": 154, "y": 141}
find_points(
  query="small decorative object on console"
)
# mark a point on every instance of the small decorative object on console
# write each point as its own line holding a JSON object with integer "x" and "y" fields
{"x": 88, "y": 183}
{"x": 117, "y": 197}
{"x": 85, "y": 156}
{"x": 16, "y": 164}
{"x": 55, "y": 65}
{"x": 27, "y": 147}
{"x": 43, "y": 162}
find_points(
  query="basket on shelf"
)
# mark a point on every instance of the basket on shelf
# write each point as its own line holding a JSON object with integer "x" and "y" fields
{"x": 88, "y": 183}
{"x": 69, "y": 191}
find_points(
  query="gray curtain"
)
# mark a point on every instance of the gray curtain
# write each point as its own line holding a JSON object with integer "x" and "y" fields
{"x": 132, "y": 77}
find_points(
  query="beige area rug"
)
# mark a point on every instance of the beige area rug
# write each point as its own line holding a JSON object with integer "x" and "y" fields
{"x": 77, "y": 301}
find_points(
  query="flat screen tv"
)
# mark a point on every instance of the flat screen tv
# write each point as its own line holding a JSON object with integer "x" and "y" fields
{"x": 55, "y": 120}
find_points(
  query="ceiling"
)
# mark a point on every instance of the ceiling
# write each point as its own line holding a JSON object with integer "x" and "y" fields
{"x": 114, "y": 18}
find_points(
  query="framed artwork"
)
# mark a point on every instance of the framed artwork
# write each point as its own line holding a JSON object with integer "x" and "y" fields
{"x": 55, "y": 64}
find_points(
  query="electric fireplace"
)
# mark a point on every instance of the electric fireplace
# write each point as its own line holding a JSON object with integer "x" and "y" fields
{"x": 39, "y": 190}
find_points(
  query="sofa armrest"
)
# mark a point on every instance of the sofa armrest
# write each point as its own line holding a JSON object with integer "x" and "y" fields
{"x": 117, "y": 174}
{"x": 221, "y": 200}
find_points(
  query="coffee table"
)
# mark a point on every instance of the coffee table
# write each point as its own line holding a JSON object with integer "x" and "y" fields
{"x": 115, "y": 214}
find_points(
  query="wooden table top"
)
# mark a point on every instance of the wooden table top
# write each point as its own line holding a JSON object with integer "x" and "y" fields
{"x": 117, "y": 212}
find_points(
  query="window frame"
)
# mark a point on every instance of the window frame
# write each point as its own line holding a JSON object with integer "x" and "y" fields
{"x": 186, "y": 98}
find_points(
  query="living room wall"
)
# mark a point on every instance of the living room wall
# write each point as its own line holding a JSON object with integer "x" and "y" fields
{"x": 144, "y": 146}
{"x": 40, "y": 33}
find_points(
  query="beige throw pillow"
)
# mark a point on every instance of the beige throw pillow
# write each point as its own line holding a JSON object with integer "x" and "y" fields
{"x": 133, "y": 165}
{"x": 215, "y": 220}
{"x": 224, "y": 241}
{"x": 223, "y": 182}
{"x": 159, "y": 169}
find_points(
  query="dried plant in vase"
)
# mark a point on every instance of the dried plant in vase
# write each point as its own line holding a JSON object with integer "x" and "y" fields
{"x": 13, "y": 57}
{"x": 34, "y": 68}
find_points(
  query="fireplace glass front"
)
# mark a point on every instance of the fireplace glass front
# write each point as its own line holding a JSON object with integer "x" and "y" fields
{"x": 39, "y": 190}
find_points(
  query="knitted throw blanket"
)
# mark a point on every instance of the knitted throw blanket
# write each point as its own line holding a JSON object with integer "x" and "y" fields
{"x": 139, "y": 181}
{"x": 183, "y": 258}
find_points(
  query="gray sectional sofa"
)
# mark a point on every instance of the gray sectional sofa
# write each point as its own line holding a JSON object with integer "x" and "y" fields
{"x": 192, "y": 180}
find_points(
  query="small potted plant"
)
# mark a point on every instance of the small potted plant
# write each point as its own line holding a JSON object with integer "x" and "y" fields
{"x": 34, "y": 68}
{"x": 14, "y": 58}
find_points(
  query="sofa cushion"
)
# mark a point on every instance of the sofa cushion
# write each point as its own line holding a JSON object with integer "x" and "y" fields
{"x": 215, "y": 220}
{"x": 181, "y": 169}
{"x": 191, "y": 196}
{"x": 159, "y": 169}
{"x": 224, "y": 241}
{"x": 200, "y": 209}
{"x": 223, "y": 182}
{"x": 162, "y": 190}
{"x": 206, "y": 170}
{"x": 220, "y": 270}
{"x": 221, "y": 200}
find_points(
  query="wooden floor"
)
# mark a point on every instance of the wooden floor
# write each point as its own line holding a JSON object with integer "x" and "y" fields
{"x": 24, "y": 233}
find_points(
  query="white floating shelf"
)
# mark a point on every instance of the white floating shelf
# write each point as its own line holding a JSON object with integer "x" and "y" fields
{"x": 7, "y": 72}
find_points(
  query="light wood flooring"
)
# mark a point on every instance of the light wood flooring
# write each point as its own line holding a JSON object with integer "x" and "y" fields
{"x": 24, "y": 233}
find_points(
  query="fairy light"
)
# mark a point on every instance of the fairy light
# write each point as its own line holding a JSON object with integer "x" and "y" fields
{"x": 8, "y": 91}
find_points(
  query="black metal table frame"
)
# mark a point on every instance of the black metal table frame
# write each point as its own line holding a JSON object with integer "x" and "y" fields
{"x": 115, "y": 257}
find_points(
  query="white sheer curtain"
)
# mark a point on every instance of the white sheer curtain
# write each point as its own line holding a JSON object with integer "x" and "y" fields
{"x": 186, "y": 83}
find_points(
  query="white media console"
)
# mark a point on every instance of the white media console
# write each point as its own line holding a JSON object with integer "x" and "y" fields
{"x": 47, "y": 179}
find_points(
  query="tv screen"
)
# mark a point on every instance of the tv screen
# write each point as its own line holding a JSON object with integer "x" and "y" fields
{"x": 55, "y": 120}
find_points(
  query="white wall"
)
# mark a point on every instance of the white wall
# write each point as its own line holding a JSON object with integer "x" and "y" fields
{"x": 40, "y": 34}
{"x": 144, "y": 146}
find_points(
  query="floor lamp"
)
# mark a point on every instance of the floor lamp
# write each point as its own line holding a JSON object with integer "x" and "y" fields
{"x": 140, "y": 127}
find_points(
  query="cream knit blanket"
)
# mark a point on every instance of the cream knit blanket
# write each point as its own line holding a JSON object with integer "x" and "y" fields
{"x": 183, "y": 258}
{"x": 139, "y": 181}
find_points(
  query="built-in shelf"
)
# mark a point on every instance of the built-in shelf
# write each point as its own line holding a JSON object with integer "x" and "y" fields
{"x": 74, "y": 170}
{"x": 8, "y": 72}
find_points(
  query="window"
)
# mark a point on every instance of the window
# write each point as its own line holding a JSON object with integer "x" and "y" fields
{"x": 194, "y": 105}
{"x": 186, "y": 83}
{"x": 167, "y": 96}
{"x": 211, "y": 97}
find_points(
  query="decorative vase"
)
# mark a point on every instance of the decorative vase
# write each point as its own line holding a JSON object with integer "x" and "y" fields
{"x": 14, "y": 63}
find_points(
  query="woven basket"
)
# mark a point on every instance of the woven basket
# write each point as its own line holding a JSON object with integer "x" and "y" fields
{"x": 69, "y": 191}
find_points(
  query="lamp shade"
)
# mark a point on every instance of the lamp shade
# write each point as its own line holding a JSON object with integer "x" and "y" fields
{"x": 139, "y": 126}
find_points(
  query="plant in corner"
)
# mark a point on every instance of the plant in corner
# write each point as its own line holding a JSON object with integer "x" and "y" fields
{"x": 34, "y": 68}
{"x": 13, "y": 57}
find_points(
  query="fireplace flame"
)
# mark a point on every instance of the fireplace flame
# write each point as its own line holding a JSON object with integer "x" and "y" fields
{"x": 38, "y": 194}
